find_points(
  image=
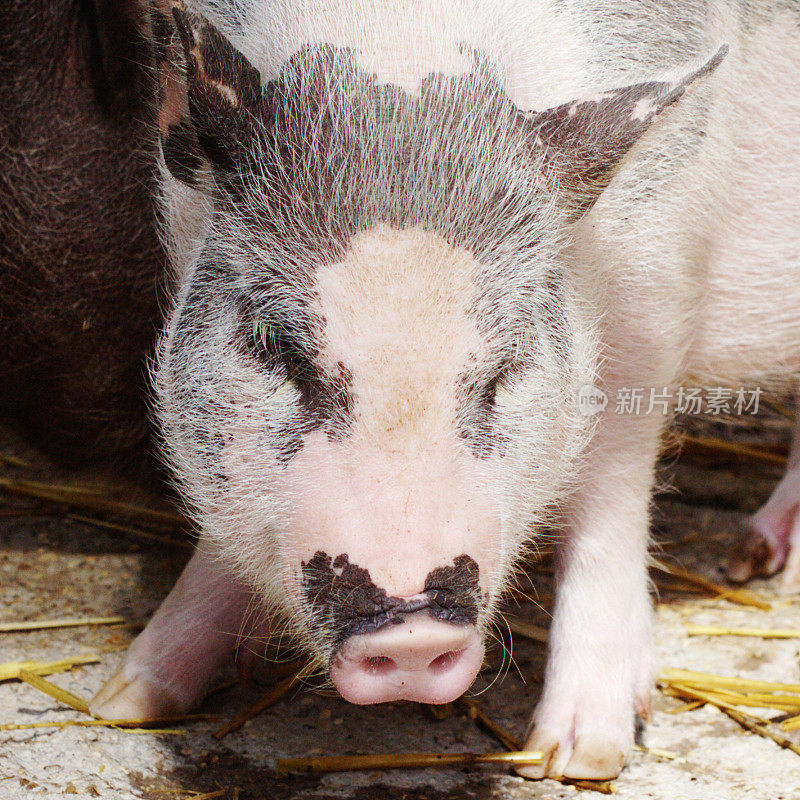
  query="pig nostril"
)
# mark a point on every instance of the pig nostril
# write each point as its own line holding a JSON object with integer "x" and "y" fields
{"x": 378, "y": 665}
{"x": 443, "y": 662}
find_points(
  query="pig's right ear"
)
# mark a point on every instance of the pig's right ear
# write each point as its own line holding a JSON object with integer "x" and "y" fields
{"x": 209, "y": 95}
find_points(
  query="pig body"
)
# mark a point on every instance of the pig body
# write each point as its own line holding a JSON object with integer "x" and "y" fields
{"x": 403, "y": 237}
{"x": 81, "y": 266}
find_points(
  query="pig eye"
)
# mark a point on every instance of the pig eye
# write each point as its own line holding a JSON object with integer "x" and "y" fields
{"x": 490, "y": 390}
{"x": 280, "y": 351}
{"x": 484, "y": 395}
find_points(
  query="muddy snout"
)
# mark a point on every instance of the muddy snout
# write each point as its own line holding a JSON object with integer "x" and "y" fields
{"x": 424, "y": 647}
{"x": 414, "y": 657}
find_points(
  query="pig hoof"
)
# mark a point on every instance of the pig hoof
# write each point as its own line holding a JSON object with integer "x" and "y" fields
{"x": 761, "y": 552}
{"x": 587, "y": 758}
{"x": 594, "y": 759}
{"x": 790, "y": 582}
{"x": 772, "y": 538}
{"x": 138, "y": 698}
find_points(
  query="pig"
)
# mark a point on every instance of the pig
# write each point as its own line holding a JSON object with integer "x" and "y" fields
{"x": 82, "y": 271}
{"x": 403, "y": 239}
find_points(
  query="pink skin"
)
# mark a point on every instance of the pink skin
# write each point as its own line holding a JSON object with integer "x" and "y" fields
{"x": 422, "y": 659}
{"x": 172, "y": 662}
{"x": 772, "y": 539}
{"x": 397, "y": 515}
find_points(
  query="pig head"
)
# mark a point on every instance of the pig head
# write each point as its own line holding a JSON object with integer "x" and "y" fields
{"x": 366, "y": 386}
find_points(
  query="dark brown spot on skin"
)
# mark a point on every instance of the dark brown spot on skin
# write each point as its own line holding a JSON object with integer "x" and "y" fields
{"x": 476, "y": 417}
{"x": 345, "y": 602}
{"x": 326, "y": 398}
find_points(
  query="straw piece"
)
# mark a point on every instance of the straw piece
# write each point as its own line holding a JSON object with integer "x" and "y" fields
{"x": 527, "y": 629}
{"x": 56, "y": 692}
{"x": 748, "y": 721}
{"x": 15, "y": 461}
{"x": 791, "y": 724}
{"x": 685, "y": 707}
{"x": 71, "y": 622}
{"x": 440, "y": 712}
{"x": 762, "y": 730}
{"x": 778, "y": 702}
{"x": 657, "y": 752}
{"x": 603, "y": 787}
{"x": 475, "y": 712}
{"x": 88, "y": 723}
{"x": 84, "y": 498}
{"x": 741, "y": 596}
{"x": 708, "y": 697}
{"x": 512, "y": 743}
{"x": 403, "y": 761}
{"x": 711, "y": 444}
{"x": 784, "y": 702}
{"x": 149, "y": 722}
{"x": 11, "y": 669}
{"x": 208, "y": 795}
{"x": 707, "y": 679}
{"x": 271, "y": 697}
{"x": 763, "y": 633}
{"x": 147, "y": 536}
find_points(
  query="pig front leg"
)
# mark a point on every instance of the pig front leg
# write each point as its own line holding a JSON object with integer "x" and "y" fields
{"x": 171, "y": 663}
{"x": 772, "y": 536}
{"x": 600, "y": 663}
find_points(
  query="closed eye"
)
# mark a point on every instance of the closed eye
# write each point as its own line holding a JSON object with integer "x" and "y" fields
{"x": 279, "y": 349}
{"x": 498, "y": 382}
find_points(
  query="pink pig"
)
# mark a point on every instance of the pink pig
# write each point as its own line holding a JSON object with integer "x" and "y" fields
{"x": 403, "y": 237}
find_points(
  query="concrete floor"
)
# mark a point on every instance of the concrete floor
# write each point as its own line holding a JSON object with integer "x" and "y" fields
{"x": 54, "y": 566}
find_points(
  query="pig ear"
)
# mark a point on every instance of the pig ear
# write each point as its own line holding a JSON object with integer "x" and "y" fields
{"x": 210, "y": 94}
{"x": 583, "y": 142}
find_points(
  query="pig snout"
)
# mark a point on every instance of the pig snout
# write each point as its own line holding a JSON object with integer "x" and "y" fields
{"x": 424, "y": 647}
{"x": 417, "y": 658}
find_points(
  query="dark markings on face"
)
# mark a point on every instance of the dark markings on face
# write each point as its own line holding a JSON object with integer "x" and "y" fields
{"x": 345, "y": 602}
{"x": 475, "y": 423}
{"x": 284, "y": 132}
{"x": 295, "y": 164}
{"x": 326, "y": 398}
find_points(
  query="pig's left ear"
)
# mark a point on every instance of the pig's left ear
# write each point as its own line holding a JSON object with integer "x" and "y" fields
{"x": 210, "y": 95}
{"x": 582, "y": 143}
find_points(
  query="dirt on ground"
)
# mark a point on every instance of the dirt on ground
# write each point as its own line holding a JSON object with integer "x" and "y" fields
{"x": 55, "y": 562}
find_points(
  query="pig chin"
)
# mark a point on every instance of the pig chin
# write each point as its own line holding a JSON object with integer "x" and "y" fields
{"x": 394, "y": 571}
